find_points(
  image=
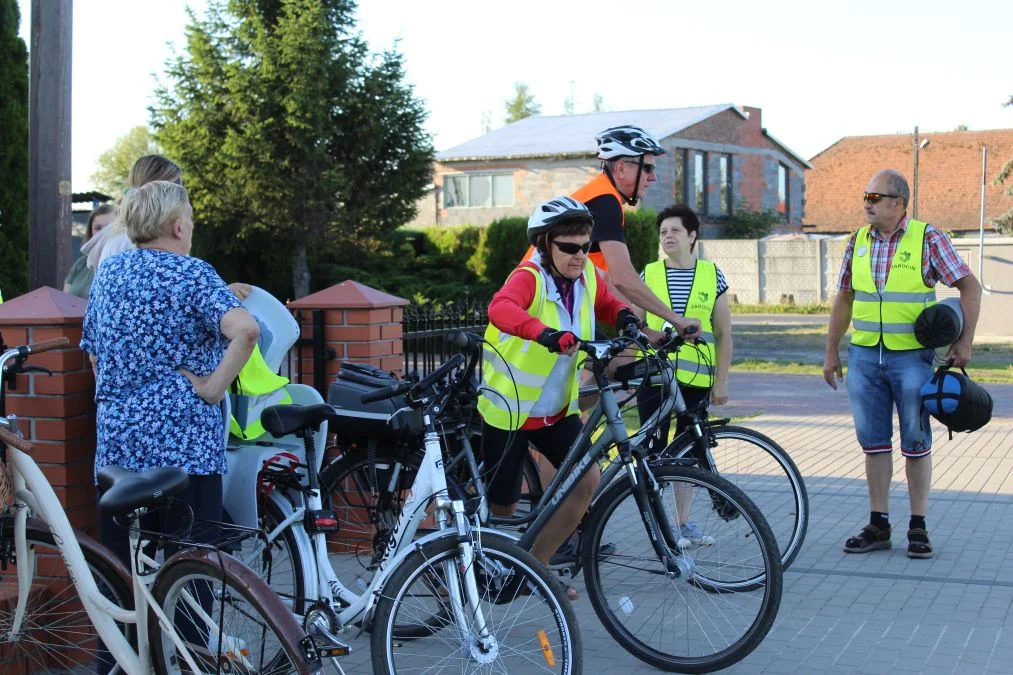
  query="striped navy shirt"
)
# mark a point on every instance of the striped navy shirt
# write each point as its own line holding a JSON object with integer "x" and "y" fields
{"x": 680, "y": 282}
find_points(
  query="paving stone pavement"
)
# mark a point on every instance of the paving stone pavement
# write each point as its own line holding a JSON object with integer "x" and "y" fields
{"x": 880, "y": 612}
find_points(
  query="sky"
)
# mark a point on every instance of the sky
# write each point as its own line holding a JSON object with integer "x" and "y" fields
{"x": 819, "y": 70}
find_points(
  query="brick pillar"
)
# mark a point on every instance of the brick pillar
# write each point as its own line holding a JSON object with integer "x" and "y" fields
{"x": 57, "y": 412}
{"x": 361, "y": 324}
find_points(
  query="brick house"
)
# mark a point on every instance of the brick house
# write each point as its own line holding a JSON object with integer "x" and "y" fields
{"x": 949, "y": 178}
{"x": 719, "y": 158}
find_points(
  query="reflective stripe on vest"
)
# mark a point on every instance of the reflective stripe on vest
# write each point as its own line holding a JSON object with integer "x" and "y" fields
{"x": 514, "y": 380}
{"x": 256, "y": 388}
{"x": 889, "y": 315}
{"x": 696, "y": 365}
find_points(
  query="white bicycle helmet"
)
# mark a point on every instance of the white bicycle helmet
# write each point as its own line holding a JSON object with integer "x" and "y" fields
{"x": 626, "y": 141}
{"x": 556, "y": 211}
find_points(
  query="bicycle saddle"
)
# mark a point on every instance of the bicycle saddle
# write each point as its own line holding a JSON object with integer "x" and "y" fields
{"x": 125, "y": 491}
{"x": 282, "y": 420}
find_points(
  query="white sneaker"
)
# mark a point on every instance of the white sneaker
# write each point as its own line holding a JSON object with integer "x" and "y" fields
{"x": 691, "y": 536}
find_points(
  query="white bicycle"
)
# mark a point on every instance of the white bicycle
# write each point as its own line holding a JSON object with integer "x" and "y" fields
{"x": 68, "y": 605}
{"x": 459, "y": 599}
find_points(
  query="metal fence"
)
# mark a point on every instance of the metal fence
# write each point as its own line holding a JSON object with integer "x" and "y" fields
{"x": 309, "y": 355}
{"x": 424, "y": 329}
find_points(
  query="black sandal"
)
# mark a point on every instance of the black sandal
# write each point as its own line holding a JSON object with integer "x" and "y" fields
{"x": 871, "y": 538}
{"x": 918, "y": 544}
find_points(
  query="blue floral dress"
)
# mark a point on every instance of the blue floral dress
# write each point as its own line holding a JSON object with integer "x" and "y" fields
{"x": 149, "y": 314}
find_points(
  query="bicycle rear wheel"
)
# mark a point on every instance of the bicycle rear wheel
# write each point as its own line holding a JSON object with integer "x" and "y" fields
{"x": 532, "y": 626}
{"x": 57, "y": 634}
{"x": 699, "y": 619}
{"x": 230, "y": 619}
{"x": 766, "y": 473}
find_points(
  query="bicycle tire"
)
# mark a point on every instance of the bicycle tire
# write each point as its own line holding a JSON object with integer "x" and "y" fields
{"x": 283, "y": 569}
{"x": 765, "y": 471}
{"x": 60, "y": 613}
{"x": 268, "y": 639}
{"x": 698, "y": 622}
{"x": 546, "y": 634}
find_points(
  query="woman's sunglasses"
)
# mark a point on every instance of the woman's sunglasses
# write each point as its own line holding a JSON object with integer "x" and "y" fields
{"x": 569, "y": 248}
{"x": 876, "y": 197}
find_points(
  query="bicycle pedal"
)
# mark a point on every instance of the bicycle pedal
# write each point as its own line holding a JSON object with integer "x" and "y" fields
{"x": 333, "y": 650}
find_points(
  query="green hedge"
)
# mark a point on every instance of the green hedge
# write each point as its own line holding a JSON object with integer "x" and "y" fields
{"x": 642, "y": 237}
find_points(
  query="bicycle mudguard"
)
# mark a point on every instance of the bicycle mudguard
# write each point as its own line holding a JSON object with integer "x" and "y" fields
{"x": 240, "y": 485}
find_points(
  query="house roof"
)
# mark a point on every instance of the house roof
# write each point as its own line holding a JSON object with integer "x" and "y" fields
{"x": 949, "y": 178}
{"x": 573, "y": 135}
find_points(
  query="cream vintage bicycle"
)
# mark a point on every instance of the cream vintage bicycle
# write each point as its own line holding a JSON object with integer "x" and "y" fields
{"x": 68, "y": 605}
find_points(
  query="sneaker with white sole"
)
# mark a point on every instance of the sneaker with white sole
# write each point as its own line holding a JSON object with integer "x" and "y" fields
{"x": 691, "y": 536}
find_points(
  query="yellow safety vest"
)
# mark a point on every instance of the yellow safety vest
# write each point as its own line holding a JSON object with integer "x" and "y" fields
{"x": 256, "y": 388}
{"x": 696, "y": 365}
{"x": 521, "y": 378}
{"x": 890, "y": 315}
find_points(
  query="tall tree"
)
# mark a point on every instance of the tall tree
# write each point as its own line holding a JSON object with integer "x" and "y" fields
{"x": 598, "y": 104}
{"x": 13, "y": 153}
{"x": 113, "y": 172}
{"x": 292, "y": 136}
{"x": 522, "y": 104}
{"x": 1004, "y": 223}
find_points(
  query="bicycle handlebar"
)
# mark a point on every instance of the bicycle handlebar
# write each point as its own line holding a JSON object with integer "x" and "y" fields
{"x": 432, "y": 378}
{"x": 15, "y": 441}
{"x": 47, "y": 345}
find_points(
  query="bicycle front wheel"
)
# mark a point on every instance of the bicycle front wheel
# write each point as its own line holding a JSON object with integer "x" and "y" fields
{"x": 230, "y": 619}
{"x": 699, "y": 617}
{"x": 766, "y": 473}
{"x": 528, "y": 622}
{"x": 56, "y": 633}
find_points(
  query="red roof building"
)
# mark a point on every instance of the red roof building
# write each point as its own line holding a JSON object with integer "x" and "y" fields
{"x": 949, "y": 178}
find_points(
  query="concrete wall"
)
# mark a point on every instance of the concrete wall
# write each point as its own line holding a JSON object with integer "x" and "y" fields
{"x": 806, "y": 271}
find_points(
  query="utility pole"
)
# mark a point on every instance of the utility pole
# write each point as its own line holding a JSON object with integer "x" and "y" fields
{"x": 914, "y": 193}
{"x": 49, "y": 188}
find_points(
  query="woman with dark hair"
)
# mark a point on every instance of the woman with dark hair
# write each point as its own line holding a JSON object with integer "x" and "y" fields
{"x": 695, "y": 288}
{"x": 78, "y": 281}
{"x": 529, "y": 381}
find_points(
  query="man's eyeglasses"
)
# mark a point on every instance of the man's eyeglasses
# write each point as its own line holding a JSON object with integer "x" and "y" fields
{"x": 570, "y": 248}
{"x": 648, "y": 168}
{"x": 876, "y": 197}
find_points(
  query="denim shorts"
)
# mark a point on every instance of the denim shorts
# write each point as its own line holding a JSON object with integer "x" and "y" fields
{"x": 880, "y": 379}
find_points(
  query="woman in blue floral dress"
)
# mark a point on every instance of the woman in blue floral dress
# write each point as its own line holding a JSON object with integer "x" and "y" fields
{"x": 166, "y": 337}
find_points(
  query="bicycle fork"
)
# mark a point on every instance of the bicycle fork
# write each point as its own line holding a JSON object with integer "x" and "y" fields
{"x": 476, "y": 638}
{"x": 650, "y": 502}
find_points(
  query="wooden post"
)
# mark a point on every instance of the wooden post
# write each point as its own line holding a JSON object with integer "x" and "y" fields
{"x": 49, "y": 188}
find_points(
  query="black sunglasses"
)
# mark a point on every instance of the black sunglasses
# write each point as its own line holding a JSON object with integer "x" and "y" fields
{"x": 570, "y": 248}
{"x": 648, "y": 168}
{"x": 876, "y": 197}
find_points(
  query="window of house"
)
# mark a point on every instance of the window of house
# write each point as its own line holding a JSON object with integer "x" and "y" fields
{"x": 478, "y": 189}
{"x": 783, "y": 191}
{"x": 725, "y": 170}
{"x": 700, "y": 183}
{"x": 679, "y": 186}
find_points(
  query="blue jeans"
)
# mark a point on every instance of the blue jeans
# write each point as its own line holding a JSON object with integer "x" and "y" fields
{"x": 880, "y": 379}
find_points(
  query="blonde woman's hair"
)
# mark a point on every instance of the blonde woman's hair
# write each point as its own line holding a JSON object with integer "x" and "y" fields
{"x": 148, "y": 211}
{"x": 150, "y": 168}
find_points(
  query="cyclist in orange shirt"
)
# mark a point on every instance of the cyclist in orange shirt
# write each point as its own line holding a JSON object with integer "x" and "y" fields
{"x": 628, "y": 168}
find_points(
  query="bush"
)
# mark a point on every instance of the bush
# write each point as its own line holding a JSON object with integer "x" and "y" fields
{"x": 642, "y": 237}
{"x": 745, "y": 223}
{"x": 505, "y": 243}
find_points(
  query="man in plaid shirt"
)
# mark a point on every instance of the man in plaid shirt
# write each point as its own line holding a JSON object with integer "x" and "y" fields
{"x": 882, "y": 292}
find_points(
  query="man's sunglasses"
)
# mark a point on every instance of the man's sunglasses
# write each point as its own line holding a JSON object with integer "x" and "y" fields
{"x": 648, "y": 168}
{"x": 876, "y": 197}
{"x": 569, "y": 248}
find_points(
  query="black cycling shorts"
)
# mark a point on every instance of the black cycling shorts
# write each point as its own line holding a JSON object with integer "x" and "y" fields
{"x": 504, "y": 465}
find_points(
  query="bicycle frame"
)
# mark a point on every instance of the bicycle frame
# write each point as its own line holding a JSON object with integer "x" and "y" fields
{"x": 430, "y": 483}
{"x": 578, "y": 462}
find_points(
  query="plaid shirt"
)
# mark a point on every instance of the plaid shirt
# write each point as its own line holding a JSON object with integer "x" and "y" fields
{"x": 940, "y": 261}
